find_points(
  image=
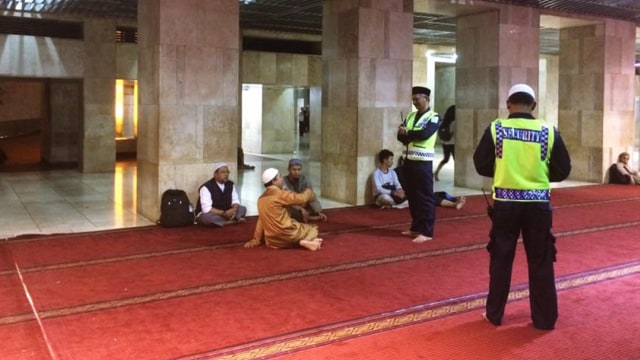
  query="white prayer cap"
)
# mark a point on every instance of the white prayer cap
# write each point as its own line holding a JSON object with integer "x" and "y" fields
{"x": 269, "y": 175}
{"x": 523, "y": 88}
{"x": 219, "y": 165}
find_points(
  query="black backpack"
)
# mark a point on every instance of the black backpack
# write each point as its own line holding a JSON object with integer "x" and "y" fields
{"x": 175, "y": 209}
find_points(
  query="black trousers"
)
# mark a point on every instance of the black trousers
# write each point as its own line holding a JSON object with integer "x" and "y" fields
{"x": 534, "y": 221}
{"x": 418, "y": 177}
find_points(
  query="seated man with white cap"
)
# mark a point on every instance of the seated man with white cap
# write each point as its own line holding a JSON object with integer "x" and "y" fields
{"x": 275, "y": 227}
{"x": 218, "y": 203}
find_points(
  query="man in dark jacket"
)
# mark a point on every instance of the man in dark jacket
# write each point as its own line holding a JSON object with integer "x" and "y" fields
{"x": 522, "y": 155}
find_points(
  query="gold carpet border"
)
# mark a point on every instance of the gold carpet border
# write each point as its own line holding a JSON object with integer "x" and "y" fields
{"x": 166, "y": 295}
{"x": 394, "y": 320}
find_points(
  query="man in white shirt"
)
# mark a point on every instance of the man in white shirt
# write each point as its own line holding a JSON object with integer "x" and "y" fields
{"x": 218, "y": 203}
{"x": 387, "y": 189}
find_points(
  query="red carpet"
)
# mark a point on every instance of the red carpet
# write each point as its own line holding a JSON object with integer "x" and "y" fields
{"x": 159, "y": 293}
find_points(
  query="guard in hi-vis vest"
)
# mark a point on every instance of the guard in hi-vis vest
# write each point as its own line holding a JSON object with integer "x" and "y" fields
{"x": 522, "y": 155}
{"x": 418, "y": 133}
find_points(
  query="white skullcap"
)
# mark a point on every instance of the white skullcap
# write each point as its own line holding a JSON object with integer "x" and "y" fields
{"x": 269, "y": 175}
{"x": 523, "y": 88}
{"x": 219, "y": 165}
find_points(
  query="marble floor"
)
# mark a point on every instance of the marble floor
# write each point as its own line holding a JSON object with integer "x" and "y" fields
{"x": 65, "y": 201}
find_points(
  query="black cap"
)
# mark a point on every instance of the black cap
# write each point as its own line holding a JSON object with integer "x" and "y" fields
{"x": 420, "y": 90}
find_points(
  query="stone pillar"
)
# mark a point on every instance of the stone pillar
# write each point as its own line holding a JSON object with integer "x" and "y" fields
{"x": 189, "y": 57}
{"x": 62, "y": 131}
{"x": 367, "y": 53}
{"x": 279, "y": 120}
{"x": 315, "y": 126}
{"x": 596, "y": 101}
{"x": 99, "y": 135}
{"x": 496, "y": 49}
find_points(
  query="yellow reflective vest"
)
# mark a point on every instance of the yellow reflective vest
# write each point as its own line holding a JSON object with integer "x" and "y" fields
{"x": 421, "y": 150}
{"x": 523, "y": 149}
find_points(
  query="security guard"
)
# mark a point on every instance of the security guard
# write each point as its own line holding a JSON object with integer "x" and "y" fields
{"x": 418, "y": 133}
{"x": 522, "y": 155}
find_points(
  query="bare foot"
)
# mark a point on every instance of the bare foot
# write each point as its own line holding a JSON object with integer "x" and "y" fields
{"x": 410, "y": 233}
{"x": 312, "y": 245}
{"x": 320, "y": 217}
{"x": 402, "y": 205}
{"x": 235, "y": 221}
{"x": 421, "y": 238}
{"x": 460, "y": 203}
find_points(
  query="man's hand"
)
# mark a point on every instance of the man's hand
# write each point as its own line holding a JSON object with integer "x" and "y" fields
{"x": 230, "y": 213}
{"x": 251, "y": 244}
{"x": 305, "y": 214}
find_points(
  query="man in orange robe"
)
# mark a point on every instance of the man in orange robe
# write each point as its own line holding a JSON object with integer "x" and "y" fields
{"x": 275, "y": 226}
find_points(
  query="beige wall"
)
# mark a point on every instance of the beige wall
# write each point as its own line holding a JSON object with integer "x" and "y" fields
{"x": 30, "y": 56}
{"x": 278, "y": 120}
{"x": 61, "y": 131}
{"x": 596, "y": 87}
{"x": 281, "y": 69}
{"x": 280, "y": 74}
{"x": 127, "y": 61}
{"x": 446, "y": 85}
{"x": 636, "y": 143}
{"x": 547, "y": 107}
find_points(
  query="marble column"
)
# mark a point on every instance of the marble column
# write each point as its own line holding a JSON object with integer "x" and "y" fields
{"x": 189, "y": 56}
{"x": 98, "y": 138}
{"x": 367, "y": 72}
{"x": 62, "y": 130}
{"x": 496, "y": 49}
{"x": 596, "y": 95}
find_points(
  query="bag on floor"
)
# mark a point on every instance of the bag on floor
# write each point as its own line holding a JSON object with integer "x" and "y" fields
{"x": 175, "y": 209}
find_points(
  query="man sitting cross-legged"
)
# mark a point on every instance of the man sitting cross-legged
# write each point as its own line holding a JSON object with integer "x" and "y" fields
{"x": 275, "y": 227}
{"x": 387, "y": 190}
{"x": 218, "y": 203}
{"x": 296, "y": 181}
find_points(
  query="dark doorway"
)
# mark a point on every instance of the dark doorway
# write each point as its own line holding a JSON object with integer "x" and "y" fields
{"x": 40, "y": 123}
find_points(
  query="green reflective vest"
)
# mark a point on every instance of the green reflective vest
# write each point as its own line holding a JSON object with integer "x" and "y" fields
{"x": 523, "y": 149}
{"x": 421, "y": 150}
